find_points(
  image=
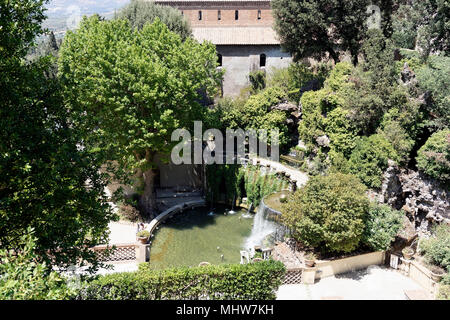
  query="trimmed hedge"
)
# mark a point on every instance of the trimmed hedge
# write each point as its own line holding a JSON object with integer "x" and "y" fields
{"x": 255, "y": 281}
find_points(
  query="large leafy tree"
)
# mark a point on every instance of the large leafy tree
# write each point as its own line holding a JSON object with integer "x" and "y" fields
{"x": 328, "y": 212}
{"x": 140, "y": 12}
{"x": 47, "y": 181}
{"x": 315, "y": 28}
{"x": 425, "y": 23}
{"x": 131, "y": 88}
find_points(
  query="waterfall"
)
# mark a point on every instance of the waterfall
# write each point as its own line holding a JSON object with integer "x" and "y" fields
{"x": 262, "y": 227}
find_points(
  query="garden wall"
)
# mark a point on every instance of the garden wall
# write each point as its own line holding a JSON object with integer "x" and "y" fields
{"x": 324, "y": 269}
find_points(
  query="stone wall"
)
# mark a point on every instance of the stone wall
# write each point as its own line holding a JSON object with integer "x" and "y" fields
{"x": 424, "y": 199}
{"x": 239, "y": 61}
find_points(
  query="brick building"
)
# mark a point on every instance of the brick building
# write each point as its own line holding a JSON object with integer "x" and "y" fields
{"x": 242, "y": 32}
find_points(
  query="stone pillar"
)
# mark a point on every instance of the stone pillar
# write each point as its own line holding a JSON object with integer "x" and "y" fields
{"x": 309, "y": 275}
{"x": 142, "y": 253}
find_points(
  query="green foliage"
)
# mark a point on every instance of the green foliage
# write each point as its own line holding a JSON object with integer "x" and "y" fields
{"x": 318, "y": 105}
{"x": 43, "y": 169}
{"x": 20, "y": 23}
{"x": 328, "y": 212}
{"x": 437, "y": 248}
{"x": 405, "y": 23}
{"x": 131, "y": 88}
{"x": 435, "y": 78}
{"x": 295, "y": 77}
{"x": 255, "y": 281}
{"x": 256, "y": 114}
{"x": 434, "y": 156}
{"x": 228, "y": 180}
{"x": 393, "y": 132}
{"x": 303, "y": 26}
{"x": 444, "y": 292}
{"x": 257, "y": 186}
{"x": 382, "y": 223}
{"x": 23, "y": 277}
{"x": 341, "y": 132}
{"x": 370, "y": 158}
{"x": 257, "y": 80}
{"x": 444, "y": 287}
{"x": 140, "y": 12}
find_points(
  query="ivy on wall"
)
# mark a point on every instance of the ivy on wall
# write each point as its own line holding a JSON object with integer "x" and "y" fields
{"x": 233, "y": 182}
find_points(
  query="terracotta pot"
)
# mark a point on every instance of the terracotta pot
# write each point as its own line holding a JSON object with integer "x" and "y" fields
{"x": 143, "y": 240}
{"x": 310, "y": 263}
{"x": 257, "y": 260}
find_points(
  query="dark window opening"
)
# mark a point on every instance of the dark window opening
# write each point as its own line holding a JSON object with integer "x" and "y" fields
{"x": 182, "y": 12}
{"x": 219, "y": 59}
{"x": 236, "y": 15}
{"x": 259, "y": 14}
{"x": 199, "y": 15}
{"x": 262, "y": 60}
{"x": 219, "y": 15}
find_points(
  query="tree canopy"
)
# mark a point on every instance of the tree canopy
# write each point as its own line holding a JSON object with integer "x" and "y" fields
{"x": 314, "y": 28}
{"x": 328, "y": 212}
{"x": 140, "y": 12}
{"x": 47, "y": 181}
{"x": 131, "y": 88}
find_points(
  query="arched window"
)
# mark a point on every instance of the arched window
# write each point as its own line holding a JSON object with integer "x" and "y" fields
{"x": 219, "y": 59}
{"x": 262, "y": 60}
{"x": 236, "y": 15}
{"x": 219, "y": 15}
{"x": 200, "y": 15}
{"x": 259, "y": 14}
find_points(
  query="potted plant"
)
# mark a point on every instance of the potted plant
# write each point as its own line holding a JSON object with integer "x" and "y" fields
{"x": 436, "y": 273}
{"x": 408, "y": 252}
{"x": 143, "y": 236}
{"x": 310, "y": 259}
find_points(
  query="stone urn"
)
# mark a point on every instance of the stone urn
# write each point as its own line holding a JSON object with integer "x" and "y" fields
{"x": 310, "y": 260}
{"x": 436, "y": 275}
{"x": 143, "y": 236}
{"x": 408, "y": 253}
{"x": 204, "y": 264}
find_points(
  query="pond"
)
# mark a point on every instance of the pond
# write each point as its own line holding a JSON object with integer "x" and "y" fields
{"x": 195, "y": 236}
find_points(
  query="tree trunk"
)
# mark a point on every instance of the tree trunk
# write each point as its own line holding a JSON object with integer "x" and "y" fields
{"x": 147, "y": 201}
{"x": 333, "y": 55}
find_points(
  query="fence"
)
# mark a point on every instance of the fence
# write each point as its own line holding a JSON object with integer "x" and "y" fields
{"x": 125, "y": 252}
{"x": 293, "y": 276}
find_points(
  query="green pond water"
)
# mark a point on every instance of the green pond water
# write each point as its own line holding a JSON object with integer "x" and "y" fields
{"x": 194, "y": 236}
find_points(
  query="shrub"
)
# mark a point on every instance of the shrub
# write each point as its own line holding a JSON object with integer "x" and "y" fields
{"x": 257, "y": 80}
{"x": 256, "y": 113}
{"x": 254, "y": 281}
{"x": 139, "y": 12}
{"x": 23, "y": 277}
{"x": 143, "y": 234}
{"x": 340, "y": 131}
{"x": 382, "y": 223}
{"x": 393, "y": 132}
{"x": 370, "y": 158}
{"x": 328, "y": 212}
{"x": 435, "y": 78}
{"x": 434, "y": 156}
{"x": 444, "y": 292}
{"x": 437, "y": 248}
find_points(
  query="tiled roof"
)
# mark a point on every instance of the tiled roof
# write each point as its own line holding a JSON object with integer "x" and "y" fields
{"x": 236, "y": 35}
